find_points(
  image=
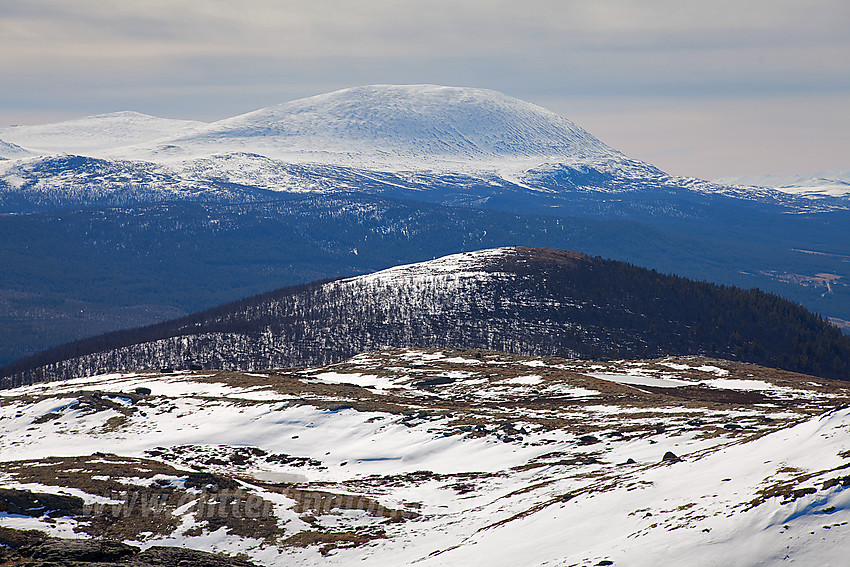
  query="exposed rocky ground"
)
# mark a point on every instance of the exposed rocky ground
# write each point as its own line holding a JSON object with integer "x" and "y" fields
{"x": 34, "y": 549}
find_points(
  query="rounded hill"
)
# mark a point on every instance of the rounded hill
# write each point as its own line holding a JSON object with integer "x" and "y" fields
{"x": 529, "y": 301}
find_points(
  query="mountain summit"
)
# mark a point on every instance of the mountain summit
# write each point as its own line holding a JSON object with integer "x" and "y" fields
{"x": 385, "y": 122}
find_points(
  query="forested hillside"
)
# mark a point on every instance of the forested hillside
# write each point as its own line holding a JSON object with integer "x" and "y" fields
{"x": 518, "y": 300}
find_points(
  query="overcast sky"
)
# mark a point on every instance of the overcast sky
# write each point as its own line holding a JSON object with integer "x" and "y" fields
{"x": 698, "y": 87}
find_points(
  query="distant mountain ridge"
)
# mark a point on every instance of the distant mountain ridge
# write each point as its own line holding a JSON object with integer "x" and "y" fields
{"x": 95, "y": 135}
{"x": 451, "y": 145}
{"x": 520, "y": 300}
{"x": 378, "y": 123}
{"x": 834, "y": 183}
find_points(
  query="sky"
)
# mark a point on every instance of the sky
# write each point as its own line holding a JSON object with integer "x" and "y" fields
{"x": 704, "y": 88}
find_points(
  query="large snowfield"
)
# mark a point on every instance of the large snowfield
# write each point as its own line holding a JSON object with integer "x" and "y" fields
{"x": 461, "y": 458}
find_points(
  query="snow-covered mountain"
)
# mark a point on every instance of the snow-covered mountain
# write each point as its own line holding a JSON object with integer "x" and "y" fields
{"x": 446, "y": 144}
{"x": 406, "y": 127}
{"x": 401, "y": 127}
{"x": 96, "y": 136}
{"x": 522, "y": 300}
{"x": 437, "y": 457}
{"x": 834, "y": 183}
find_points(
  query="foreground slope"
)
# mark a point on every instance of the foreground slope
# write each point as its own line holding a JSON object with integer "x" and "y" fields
{"x": 436, "y": 457}
{"x": 520, "y": 300}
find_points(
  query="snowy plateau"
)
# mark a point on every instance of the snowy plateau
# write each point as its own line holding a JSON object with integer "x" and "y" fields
{"x": 443, "y": 457}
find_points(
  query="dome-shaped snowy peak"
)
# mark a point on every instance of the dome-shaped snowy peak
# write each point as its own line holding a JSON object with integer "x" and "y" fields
{"x": 387, "y": 122}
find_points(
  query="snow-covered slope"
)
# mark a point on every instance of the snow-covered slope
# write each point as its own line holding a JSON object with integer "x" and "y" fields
{"x": 62, "y": 181}
{"x": 390, "y": 127}
{"x": 424, "y": 457}
{"x": 12, "y": 151}
{"x": 96, "y": 136}
{"x": 834, "y": 183}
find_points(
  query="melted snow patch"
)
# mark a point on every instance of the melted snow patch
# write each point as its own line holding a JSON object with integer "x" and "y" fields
{"x": 362, "y": 380}
{"x": 703, "y": 368}
{"x": 636, "y": 380}
{"x": 530, "y": 380}
{"x": 424, "y": 356}
{"x": 461, "y": 360}
{"x": 571, "y": 391}
{"x": 713, "y": 370}
{"x": 675, "y": 366}
{"x": 731, "y": 384}
{"x": 57, "y": 527}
